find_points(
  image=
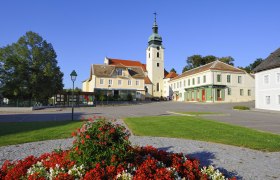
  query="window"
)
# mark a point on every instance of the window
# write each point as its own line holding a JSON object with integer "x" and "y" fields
{"x": 146, "y": 89}
{"x": 110, "y": 82}
{"x": 249, "y": 92}
{"x": 129, "y": 82}
{"x": 158, "y": 54}
{"x": 149, "y": 55}
{"x": 177, "y": 84}
{"x": 184, "y": 83}
{"x": 119, "y": 72}
{"x": 266, "y": 79}
{"x": 180, "y": 84}
{"x": 189, "y": 82}
{"x": 101, "y": 81}
{"x": 241, "y": 92}
{"x": 218, "y": 78}
{"x": 198, "y": 80}
{"x": 278, "y": 77}
{"x": 239, "y": 79}
{"x": 267, "y": 99}
{"x": 229, "y": 91}
{"x": 193, "y": 81}
{"x": 174, "y": 85}
{"x": 137, "y": 83}
{"x": 157, "y": 64}
{"x": 119, "y": 82}
{"x": 204, "y": 79}
{"x": 171, "y": 86}
{"x": 228, "y": 78}
{"x": 157, "y": 87}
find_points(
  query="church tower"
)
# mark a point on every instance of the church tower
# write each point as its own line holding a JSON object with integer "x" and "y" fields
{"x": 155, "y": 61}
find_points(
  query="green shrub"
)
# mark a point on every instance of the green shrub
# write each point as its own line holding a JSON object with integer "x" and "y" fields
{"x": 100, "y": 141}
{"x": 241, "y": 107}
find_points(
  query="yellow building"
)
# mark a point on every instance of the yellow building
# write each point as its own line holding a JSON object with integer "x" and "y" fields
{"x": 126, "y": 79}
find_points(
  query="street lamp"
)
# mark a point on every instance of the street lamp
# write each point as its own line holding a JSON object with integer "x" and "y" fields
{"x": 73, "y": 78}
{"x": 108, "y": 94}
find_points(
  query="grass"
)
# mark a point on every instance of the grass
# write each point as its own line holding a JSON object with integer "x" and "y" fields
{"x": 241, "y": 107}
{"x": 198, "y": 113}
{"x": 196, "y": 128}
{"x": 22, "y": 132}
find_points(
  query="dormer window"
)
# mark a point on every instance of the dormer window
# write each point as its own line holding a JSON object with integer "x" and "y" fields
{"x": 119, "y": 72}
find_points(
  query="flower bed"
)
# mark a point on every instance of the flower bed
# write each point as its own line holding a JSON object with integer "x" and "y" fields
{"x": 101, "y": 150}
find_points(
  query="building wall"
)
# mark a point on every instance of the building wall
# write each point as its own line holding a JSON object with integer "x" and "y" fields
{"x": 155, "y": 68}
{"x": 167, "y": 91}
{"x": 150, "y": 90}
{"x": 88, "y": 85}
{"x": 247, "y": 84}
{"x": 192, "y": 82}
{"x": 124, "y": 83}
{"x": 269, "y": 89}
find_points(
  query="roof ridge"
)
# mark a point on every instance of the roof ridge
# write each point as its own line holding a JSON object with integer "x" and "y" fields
{"x": 214, "y": 63}
{"x": 230, "y": 66}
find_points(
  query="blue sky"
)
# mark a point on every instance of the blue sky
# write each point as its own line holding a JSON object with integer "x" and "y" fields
{"x": 84, "y": 32}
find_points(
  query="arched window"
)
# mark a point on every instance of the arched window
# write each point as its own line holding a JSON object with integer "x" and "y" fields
{"x": 157, "y": 87}
{"x": 157, "y": 54}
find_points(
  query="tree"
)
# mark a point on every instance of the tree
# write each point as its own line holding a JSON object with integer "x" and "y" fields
{"x": 252, "y": 66}
{"x": 173, "y": 70}
{"x": 229, "y": 60}
{"x": 198, "y": 60}
{"x": 29, "y": 69}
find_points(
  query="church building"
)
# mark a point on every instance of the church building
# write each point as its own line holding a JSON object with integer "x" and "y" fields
{"x": 125, "y": 79}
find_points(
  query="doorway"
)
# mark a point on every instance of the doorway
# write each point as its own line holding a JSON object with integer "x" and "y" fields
{"x": 203, "y": 95}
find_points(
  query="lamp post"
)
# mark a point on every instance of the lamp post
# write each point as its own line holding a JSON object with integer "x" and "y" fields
{"x": 108, "y": 94}
{"x": 73, "y": 78}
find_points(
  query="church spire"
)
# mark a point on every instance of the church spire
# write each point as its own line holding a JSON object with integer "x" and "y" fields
{"x": 155, "y": 26}
{"x": 155, "y": 39}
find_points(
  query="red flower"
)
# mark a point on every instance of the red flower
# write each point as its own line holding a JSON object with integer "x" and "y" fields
{"x": 87, "y": 136}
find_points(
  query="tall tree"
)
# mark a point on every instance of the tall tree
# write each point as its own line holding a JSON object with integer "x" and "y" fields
{"x": 198, "y": 60}
{"x": 252, "y": 66}
{"x": 29, "y": 69}
{"x": 173, "y": 70}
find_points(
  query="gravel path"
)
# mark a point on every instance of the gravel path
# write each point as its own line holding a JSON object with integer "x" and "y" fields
{"x": 241, "y": 162}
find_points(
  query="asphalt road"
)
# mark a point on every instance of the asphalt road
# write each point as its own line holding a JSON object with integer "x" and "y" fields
{"x": 261, "y": 120}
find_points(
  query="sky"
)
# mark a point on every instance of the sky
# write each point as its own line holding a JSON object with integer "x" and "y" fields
{"x": 85, "y": 32}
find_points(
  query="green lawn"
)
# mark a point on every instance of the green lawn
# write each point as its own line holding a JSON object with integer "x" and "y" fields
{"x": 198, "y": 113}
{"x": 22, "y": 132}
{"x": 196, "y": 128}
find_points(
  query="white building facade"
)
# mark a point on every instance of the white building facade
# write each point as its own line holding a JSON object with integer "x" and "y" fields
{"x": 268, "y": 83}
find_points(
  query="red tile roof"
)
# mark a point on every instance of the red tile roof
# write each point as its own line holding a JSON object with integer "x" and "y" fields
{"x": 215, "y": 65}
{"x": 171, "y": 75}
{"x": 127, "y": 63}
{"x": 147, "y": 80}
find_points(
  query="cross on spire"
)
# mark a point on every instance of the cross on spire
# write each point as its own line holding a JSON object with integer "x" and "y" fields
{"x": 155, "y": 13}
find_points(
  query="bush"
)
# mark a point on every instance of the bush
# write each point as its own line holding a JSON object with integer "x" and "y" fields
{"x": 100, "y": 141}
{"x": 241, "y": 108}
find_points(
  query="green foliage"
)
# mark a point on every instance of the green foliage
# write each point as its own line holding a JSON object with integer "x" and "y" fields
{"x": 250, "y": 68}
{"x": 100, "y": 141}
{"x": 197, "y": 128}
{"x": 29, "y": 69}
{"x": 241, "y": 107}
{"x": 198, "y": 60}
{"x": 173, "y": 70}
